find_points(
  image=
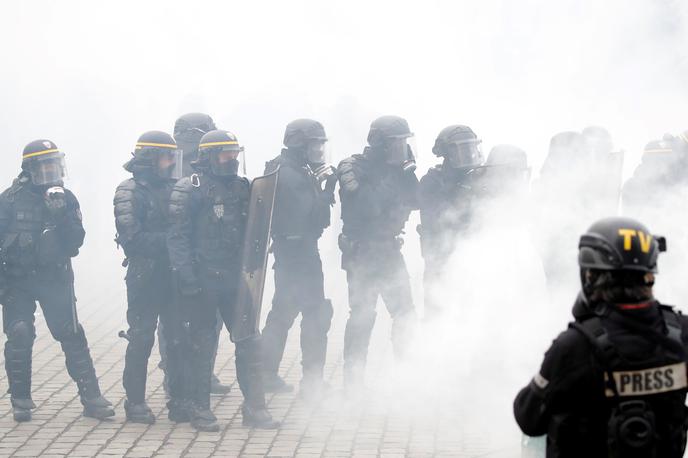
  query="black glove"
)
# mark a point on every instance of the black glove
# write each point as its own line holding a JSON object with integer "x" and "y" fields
{"x": 56, "y": 201}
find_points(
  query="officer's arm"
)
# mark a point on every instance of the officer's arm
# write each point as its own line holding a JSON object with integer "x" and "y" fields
{"x": 358, "y": 192}
{"x": 534, "y": 404}
{"x": 5, "y": 217}
{"x": 130, "y": 233}
{"x": 430, "y": 199}
{"x": 410, "y": 191}
{"x": 70, "y": 227}
{"x": 179, "y": 235}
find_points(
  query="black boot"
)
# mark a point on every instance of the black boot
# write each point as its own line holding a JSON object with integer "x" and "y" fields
{"x": 217, "y": 387}
{"x": 257, "y": 417}
{"x": 80, "y": 368}
{"x": 273, "y": 383}
{"x": 202, "y": 419}
{"x": 98, "y": 408}
{"x": 21, "y": 409}
{"x": 179, "y": 411}
{"x": 139, "y": 413}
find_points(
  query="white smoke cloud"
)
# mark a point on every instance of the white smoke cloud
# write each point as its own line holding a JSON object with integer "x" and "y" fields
{"x": 93, "y": 76}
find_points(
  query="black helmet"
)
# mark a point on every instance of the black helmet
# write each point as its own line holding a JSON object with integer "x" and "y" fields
{"x": 307, "y": 137}
{"x": 387, "y": 127}
{"x": 151, "y": 147}
{"x": 301, "y": 131}
{"x": 210, "y": 150}
{"x": 189, "y": 129}
{"x": 44, "y": 163}
{"x": 599, "y": 139}
{"x": 459, "y": 146}
{"x": 619, "y": 243}
{"x": 507, "y": 155}
{"x": 567, "y": 150}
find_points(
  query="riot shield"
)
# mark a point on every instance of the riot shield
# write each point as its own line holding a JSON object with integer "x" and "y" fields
{"x": 246, "y": 312}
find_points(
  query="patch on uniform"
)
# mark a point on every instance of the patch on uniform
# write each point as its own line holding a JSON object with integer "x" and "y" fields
{"x": 648, "y": 381}
{"x": 219, "y": 210}
{"x": 540, "y": 381}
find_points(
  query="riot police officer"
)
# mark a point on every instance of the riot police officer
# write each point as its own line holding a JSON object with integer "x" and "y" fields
{"x": 40, "y": 231}
{"x": 305, "y": 192}
{"x": 141, "y": 217}
{"x": 378, "y": 191}
{"x": 446, "y": 195}
{"x": 209, "y": 213}
{"x": 188, "y": 130}
{"x": 613, "y": 383}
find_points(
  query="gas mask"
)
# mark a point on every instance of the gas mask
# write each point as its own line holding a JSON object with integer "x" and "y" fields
{"x": 224, "y": 163}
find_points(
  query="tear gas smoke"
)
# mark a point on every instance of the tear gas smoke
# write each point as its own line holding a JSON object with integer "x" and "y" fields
{"x": 93, "y": 76}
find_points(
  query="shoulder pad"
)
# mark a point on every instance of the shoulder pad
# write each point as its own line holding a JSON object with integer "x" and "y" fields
{"x": 179, "y": 199}
{"x": 348, "y": 173}
{"x": 271, "y": 165}
{"x": 183, "y": 185}
{"x": 71, "y": 198}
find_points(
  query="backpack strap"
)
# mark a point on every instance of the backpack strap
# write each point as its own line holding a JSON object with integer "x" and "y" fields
{"x": 603, "y": 349}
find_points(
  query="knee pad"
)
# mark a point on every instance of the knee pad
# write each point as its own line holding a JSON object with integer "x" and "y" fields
{"x": 320, "y": 315}
{"x": 142, "y": 339}
{"x": 21, "y": 333}
{"x": 248, "y": 349}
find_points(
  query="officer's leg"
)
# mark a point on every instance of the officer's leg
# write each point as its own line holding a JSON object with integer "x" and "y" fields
{"x": 363, "y": 295}
{"x": 55, "y": 299}
{"x": 18, "y": 318}
{"x": 315, "y": 324}
{"x": 396, "y": 292}
{"x": 249, "y": 369}
{"x": 217, "y": 387}
{"x": 285, "y": 308}
{"x": 174, "y": 319}
{"x": 202, "y": 334}
{"x": 142, "y": 316}
{"x": 162, "y": 348}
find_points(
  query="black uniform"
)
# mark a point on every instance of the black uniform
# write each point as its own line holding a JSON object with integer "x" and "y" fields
{"x": 567, "y": 400}
{"x": 208, "y": 222}
{"x": 37, "y": 247}
{"x": 141, "y": 216}
{"x": 377, "y": 199}
{"x": 446, "y": 197}
{"x": 301, "y": 213}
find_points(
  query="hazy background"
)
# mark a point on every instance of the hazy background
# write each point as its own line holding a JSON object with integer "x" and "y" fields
{"x": 92, "y": 76}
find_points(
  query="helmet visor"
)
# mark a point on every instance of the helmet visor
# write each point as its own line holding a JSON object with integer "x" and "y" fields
{"x": 396, "y": 150}
{"x": 316, "y": 152}
{"x": 225, "y": 162}
{"x": 169, "y": 163}
{"x": 464, "y": 153}
{"x": 48, "y": 170}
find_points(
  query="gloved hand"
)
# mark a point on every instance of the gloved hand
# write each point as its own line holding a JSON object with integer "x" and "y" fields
{"x": 56, "y": 201}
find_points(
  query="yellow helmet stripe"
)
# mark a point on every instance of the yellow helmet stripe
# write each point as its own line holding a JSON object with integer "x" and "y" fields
{"x": 228, "y": 142}
{"x": 40, "y": 153}
{"x": 158, "y": 145}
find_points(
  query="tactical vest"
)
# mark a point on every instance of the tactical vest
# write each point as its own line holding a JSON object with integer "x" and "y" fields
{"x": 645, "y": 397}
{"x": 308, "y": 214}
{"x": 220, "y": 222}
{"x": 28, "y": 219}
{"x": 390, "y": 222}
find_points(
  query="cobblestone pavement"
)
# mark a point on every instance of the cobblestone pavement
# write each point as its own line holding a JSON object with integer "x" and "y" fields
{"x": 388, "y": 420}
